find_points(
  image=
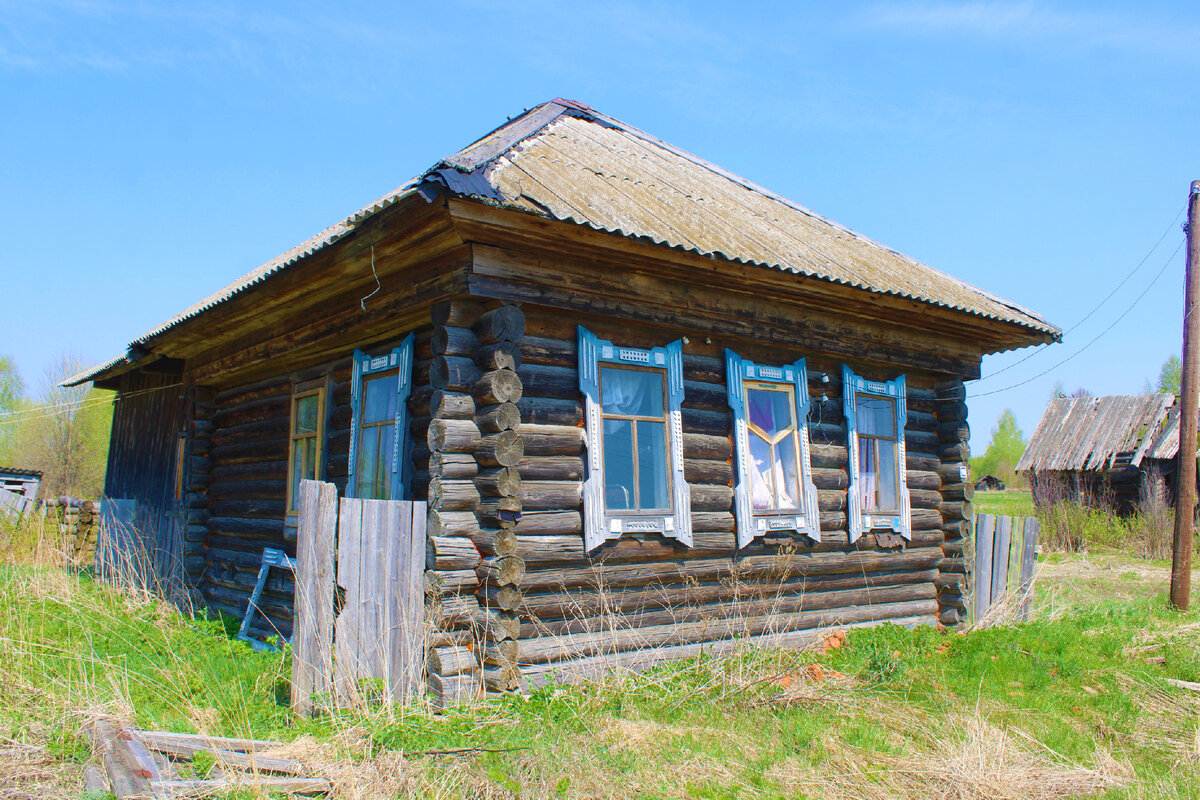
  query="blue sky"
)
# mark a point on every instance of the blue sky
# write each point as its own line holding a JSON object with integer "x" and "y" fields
{"x": 155, "y": 151}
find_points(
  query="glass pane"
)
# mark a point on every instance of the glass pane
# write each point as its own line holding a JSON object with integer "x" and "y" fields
{"x": 387, "y": 444}
{"x": 296, "y": 470}
{"x": 631, "y": 391}
{"x": 876, "y": 416}
{"x": 379, "y": 398}
{"x": 310, "y": 458}
{"x": 366, "y": 476}
{"x": 770, "y": 411}
{"x": 887, "y": 496}
{"x": 618, "y": 464}
{"x": 652, "y": 464}
{"x": 787, "y": 480}
{"x": 868, "y": 474}
{"x": 760, "y": 473}
{"x": 305, "y": 417}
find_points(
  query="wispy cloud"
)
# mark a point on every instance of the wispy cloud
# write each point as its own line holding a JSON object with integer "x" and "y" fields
{"x": 1035, "y": 23}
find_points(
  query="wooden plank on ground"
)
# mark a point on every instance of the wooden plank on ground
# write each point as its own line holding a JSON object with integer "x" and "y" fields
{"x": 192, "y": 743}
{"x": 984, "y": 535}
{"x": 312, "y": 656}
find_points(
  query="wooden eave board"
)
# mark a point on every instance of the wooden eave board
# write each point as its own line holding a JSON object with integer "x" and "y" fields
{"x": 485, "y": 224}
{"x": 402, "y": 235}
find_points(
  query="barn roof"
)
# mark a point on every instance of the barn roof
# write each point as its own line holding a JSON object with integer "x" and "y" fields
{"x": 565, "y": 161}
{"x": 1088, "y": 433}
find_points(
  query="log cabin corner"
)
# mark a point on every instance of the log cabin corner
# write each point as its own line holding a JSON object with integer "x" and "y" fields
{"x": 627, "y": 381}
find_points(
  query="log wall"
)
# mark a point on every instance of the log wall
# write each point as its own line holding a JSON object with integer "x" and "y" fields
{"x": 528, "y": 599}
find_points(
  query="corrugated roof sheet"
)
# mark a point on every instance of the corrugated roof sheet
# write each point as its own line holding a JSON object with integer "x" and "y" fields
{"x": 1088, "y": 433}
{"x": 1165, "y": 445}
{"x": 563, "y": 160}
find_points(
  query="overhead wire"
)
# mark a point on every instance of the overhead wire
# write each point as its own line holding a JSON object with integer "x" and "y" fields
{"x": 1043, "y": 348}
{"x": 41, "y": 412}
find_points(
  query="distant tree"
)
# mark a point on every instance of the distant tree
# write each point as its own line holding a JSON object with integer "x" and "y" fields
{"x": 1169, "y": 376}
{"x": 1059, "y": 391}
{"x": 66, "y": 432}
{"x": 12, "y": 396}
{"x": 1003, "y": 451}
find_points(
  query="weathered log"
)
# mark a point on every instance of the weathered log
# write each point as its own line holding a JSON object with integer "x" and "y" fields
{"x": 716, "y": 423}
{"x": 263, "y": 430}
{"x": 551, "y": 495}
{"x": 448, "y": 340}
{"x": 541, "y": 350}
{"x": 447, "y": 611}
{"x": 951, "y": 391}
{"x": 494, "y": 541}
{"x": 500, "y": 355}
{"x": 451, "y": 405}
{"x": 504, "y": 449}
{"x": 580, "y": 604}
{"x": 444, "y": 553}
{"x": 501, "y": 570}
{"x": 453, "y": 581}
{"x": 956, "y": 509}
{"x": 271, "y": 508}
{"x": 503, "y": 324}
{"x": 714, "y": 448}
{"x": 501, "y": 652}
{"x": 237, "y": 490}
{"x": 552, "y": 522}
{"x": 454, "y": 373}
{"x": 458, "y": 313}
{"x": 950, "y": 411}
{"x": 920, "y": 421}
{"x": 502, "y": 417}
{"x": 453, "y": 465}
{"x": 501, "y": 598}
{"x": 551, "y": 468}
{"x": 453, "y": 436}
{"x": 499, "y": 482}
{"x": 924, "y": 498}
{"x": 550, "y": 411}
{"x": 954, "y": 431}
{"x": 552, "y": 440}
{"x": 451, "y": 523}
{"x": 498, "y": 386}
{"x": 711, "y": 498}
{"x": 453, "y": 495}
{"x": 824, "y": 478}
{"x": 706, "y": 369}
{"x": 779, "y": 565}
{"x": 715, "y": 473}
{"x": 956, "y": 451}
{"x": 541, "y": 380}
{"x": 953, "y": 473}
{"x": 451, "y": 660}
{"x": 504, "y": 678}
{"x": 844, "y": 609}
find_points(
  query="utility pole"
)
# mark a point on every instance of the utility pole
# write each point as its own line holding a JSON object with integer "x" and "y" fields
{"x": 1189, "y": 407}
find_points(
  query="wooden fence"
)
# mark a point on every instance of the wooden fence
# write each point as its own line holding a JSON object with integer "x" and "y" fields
{"x": 1005, "y": 560}
{"x": 374, "y": 648}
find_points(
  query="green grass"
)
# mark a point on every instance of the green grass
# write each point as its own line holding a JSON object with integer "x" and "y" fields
{"x": 1008, "y": 503}
{"x": 1075, "y": 697}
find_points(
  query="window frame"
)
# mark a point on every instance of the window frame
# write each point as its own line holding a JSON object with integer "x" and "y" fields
{"x": 364, "y": 366}
{"x": 741, "y": 374}
{"x": 599, "y": 523}
{"x": 299, "y": 392}
{"x": 859, "y": 519}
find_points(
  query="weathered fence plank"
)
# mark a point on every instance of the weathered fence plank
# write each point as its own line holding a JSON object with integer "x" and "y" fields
{"x": 984, "y": 533}
{"x": 312, "y": 656}
{"x": 1005, "y": 561}
{"x": 1004, "y": 526}
{"x": 348, "y": 654}
{"x": 1033, "y": 530}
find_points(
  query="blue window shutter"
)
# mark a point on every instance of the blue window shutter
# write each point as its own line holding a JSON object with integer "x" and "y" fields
{"x": 683, "y": 494}
{"x": 895, "y": 390}
{"x": 360, "y": 361}
{"x": 402, "y": 444}
{"x": 737, "y": 371}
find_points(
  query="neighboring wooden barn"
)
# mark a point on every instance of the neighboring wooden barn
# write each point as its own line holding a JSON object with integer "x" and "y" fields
{"x": 650, "y": 404}
{"x": 18, "y": 489}
{"x": 989, "y": 483}
{"x": 1101, "y": 449}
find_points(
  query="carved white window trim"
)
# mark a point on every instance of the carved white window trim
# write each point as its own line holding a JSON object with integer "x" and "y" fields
{"x": 600, "y": 524}
{"x": 752, "y": 524}
{"x": 859, "y": 520}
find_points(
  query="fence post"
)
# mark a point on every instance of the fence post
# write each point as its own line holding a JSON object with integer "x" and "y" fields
{"x": 312, "y": 662}
{"x": 1033, "y": 528}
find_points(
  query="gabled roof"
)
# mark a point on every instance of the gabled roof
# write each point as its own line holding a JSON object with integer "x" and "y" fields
{"x": 565, "y": 161}
{"x": 1089, "y": 433}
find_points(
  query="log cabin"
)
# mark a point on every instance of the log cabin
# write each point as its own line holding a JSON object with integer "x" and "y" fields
{"x": 650, "y": 403}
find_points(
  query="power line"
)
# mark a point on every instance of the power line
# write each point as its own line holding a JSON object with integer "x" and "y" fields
{"x": 34, "y": 413}
{"x": 1043, "y": 348}
{"x": 1095, "y": 338}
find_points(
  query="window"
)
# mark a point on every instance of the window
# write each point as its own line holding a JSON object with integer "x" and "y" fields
{"x": 878, "y": 496}
{"x": 308, "y": 428}
{"x": 379, "y": 459}
{"x": 774, "y": 489}
{"x": 634, "y": 434}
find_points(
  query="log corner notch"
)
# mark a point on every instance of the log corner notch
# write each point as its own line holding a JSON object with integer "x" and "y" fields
{"x": 499, "y": 331}
{"x": 957, "y": 491}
